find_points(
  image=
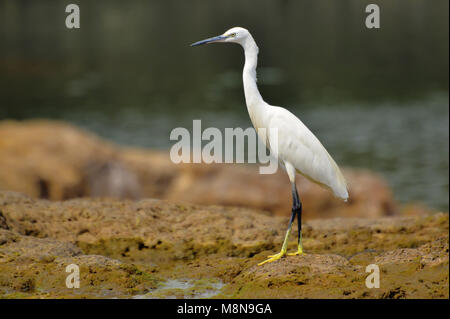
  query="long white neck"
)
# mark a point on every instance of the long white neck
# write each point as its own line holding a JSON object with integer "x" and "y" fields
{"x": 255, "y": 103}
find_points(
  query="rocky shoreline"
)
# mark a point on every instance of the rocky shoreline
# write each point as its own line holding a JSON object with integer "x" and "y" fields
{"x": 57, "y": 161}
{"x": 129, "y": 249}
{"x": 139, "y": 226}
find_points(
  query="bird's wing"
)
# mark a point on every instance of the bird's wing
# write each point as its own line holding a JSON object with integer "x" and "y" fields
{"x": 301, "y": 148}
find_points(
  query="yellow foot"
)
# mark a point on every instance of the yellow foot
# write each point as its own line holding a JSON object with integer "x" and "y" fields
{"x": 298, "y": 252}
{"x": 273, "y": 258}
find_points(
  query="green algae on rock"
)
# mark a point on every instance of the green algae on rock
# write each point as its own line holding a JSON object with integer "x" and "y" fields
{"x": 36, "y": 267}
{"x": 138, "y": 248}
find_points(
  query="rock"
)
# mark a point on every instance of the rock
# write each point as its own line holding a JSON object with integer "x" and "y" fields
{"x": 133, "y": 247}
{"x": 239, "y": 185}
{"x": 403, "y": 274}
{"x": 56, "y": 161}
{"x": 3, "y": 223}
{"x": 174, "y": 231}
{"x": 38, "y": 267}
{"x": 32, "y": 249}
{"x": 53, "y": 160}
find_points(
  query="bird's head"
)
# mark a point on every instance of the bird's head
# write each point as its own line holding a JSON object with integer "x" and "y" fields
{"x": 235, "y": 35}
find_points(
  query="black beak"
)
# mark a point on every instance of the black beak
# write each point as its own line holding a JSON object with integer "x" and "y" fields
{"x": 209, "y": 40}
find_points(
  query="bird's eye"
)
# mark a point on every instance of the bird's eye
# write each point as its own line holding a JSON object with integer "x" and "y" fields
{"x": 233, "y": 35}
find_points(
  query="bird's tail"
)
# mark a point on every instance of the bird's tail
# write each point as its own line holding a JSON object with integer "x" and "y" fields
{"x": 340, "y": 187}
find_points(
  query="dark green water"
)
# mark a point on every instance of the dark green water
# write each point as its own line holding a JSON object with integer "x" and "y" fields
{"x": 376, "y": 99}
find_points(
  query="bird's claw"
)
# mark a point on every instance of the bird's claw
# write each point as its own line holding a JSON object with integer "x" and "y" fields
{"x": 273, "y": 258}
{"x": 298, "y": 252}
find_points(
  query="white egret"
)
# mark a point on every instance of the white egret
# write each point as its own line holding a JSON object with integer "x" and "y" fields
{"x": 298, "y": 149}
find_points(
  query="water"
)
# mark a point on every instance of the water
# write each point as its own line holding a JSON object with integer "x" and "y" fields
{"x": 376, "y": 99}
{"x": 189, "y": 289}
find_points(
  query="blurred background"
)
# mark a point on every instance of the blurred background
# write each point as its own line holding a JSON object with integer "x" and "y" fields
{"x": 377, "y": 99}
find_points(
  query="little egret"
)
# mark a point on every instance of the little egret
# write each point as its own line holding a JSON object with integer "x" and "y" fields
{"x": 298, "y": 149}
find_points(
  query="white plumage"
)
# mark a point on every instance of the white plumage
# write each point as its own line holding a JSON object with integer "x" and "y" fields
{"x": 298, "y": 148}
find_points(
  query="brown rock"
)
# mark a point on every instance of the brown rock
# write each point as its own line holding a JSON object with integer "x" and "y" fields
{"x": 53, "y": 160}
{"x": 57, "y": 161}
{"x": 28, "y": 263}
{"x": 213, "y": 243}
{"x": 239, "y": 185}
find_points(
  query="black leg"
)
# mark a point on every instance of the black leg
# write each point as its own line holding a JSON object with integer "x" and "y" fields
{"x": 292, "y": 218}
{"x": 297, "y": 209}
{"x": 295, "y": 199}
